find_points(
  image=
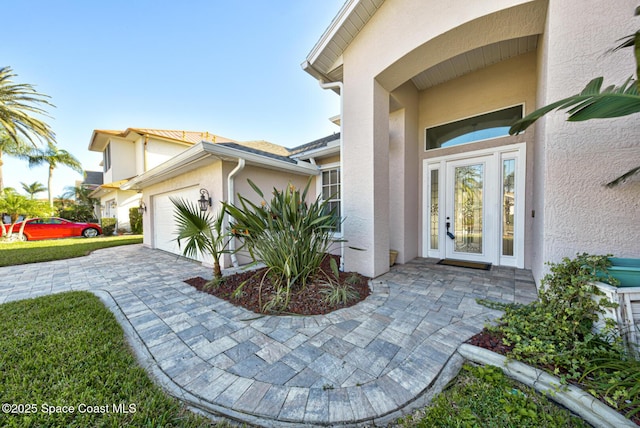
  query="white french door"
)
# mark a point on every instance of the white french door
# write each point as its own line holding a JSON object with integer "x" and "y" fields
{"x": 473, "y": 206}
{"x": 469, "y": 197}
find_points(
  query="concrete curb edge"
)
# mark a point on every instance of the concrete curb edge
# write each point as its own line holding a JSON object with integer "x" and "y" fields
{"x": 583, "y": 404}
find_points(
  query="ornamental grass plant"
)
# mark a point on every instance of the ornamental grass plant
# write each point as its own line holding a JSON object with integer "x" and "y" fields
{"x": 288, "y": 235}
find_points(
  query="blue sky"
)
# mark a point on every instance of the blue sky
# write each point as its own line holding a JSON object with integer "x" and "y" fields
{"x": 227, "y": 67}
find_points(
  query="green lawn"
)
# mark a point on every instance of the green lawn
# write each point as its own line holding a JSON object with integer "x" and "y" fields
{"x": 69, "y": 350}
{"x": 18, "y": 253}
{"x": 485, "y": 397}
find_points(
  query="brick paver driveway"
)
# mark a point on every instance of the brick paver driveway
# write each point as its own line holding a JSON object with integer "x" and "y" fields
{"x": 368, "y": 363}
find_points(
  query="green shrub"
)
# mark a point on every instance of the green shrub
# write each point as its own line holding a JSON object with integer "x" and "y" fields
{"x": 557, "y": 330}
{"x": 617, "y": 380}
{"x": 483, "y": 396}
{"x": 108, "y": 225}
{"x": 135, "y": 220}
{"x": 289, "y": 236}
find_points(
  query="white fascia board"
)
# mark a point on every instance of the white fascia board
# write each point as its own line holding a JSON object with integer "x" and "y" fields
{"x": 332, "y": 148}
{"x": 329, "y": 34}
{"x": 205, "y": 150}
{"x": 302, "y": 168}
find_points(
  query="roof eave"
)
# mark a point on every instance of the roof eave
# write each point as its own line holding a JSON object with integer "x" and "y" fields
{"x": 198, "y": 155}
{"x": 337, "y": 22}
{"x": 330, "y": 149}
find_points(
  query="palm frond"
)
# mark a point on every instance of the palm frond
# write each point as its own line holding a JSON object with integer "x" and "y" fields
{"x": 624, "y": 177}
{"x": 591, "y": 103}
{"x": 17, "y": 103}
{"x": 193, "y": 228}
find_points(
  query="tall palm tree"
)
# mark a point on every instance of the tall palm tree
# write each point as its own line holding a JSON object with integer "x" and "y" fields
{"x": 33, "y": 188}
{"x": 53, "y": 156}
{"x": 17, "y": 102}
{"x": 597, "y": 103}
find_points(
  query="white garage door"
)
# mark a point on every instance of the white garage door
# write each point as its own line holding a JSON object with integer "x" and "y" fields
{"x": 164, "y": 225}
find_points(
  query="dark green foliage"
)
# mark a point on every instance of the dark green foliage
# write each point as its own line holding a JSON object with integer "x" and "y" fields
{"x": 135, "y": 220}
{"x": 617, "y": 380}
{"x": 108, "y": 225}
{"x": 77, "y": 212}
{"x": 288, "y": 235}
{"x": 557, "y": 330}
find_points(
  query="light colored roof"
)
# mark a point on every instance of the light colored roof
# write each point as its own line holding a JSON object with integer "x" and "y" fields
{"x": 189, "y": 138}
{"x": 113, "y": 185}
{"x": 265, "y": 146}
{"x": 100, "y": 136}
{"x": 205, "y": 153}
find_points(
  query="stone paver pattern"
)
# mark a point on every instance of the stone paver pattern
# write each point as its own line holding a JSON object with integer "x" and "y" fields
{"x": 353, "y": 366}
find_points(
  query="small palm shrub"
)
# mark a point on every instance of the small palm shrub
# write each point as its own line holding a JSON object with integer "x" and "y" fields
{"x": 288, "y": 235}
{"x": 202, "y": 232}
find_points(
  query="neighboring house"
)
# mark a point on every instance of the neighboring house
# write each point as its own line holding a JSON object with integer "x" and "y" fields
{"x": 429, "y": 88}
{"x": 220, "y": 171}
{"x": 129, "y": 153}
{"x": 92, "y": 181}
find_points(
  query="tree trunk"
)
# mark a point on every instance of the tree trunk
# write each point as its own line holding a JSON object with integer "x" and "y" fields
{"x": 217, "y": 272}
{"x": 50, "y": 183}
{"x": 1, "y": 178}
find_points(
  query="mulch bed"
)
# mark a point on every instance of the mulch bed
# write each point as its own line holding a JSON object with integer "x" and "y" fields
{"x": 304, "y": 301}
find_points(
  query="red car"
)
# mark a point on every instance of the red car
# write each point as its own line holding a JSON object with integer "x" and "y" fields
{"x": 51, "y": 228}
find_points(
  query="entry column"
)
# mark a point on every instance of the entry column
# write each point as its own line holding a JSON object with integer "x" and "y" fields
{"x": 366, "y": 176}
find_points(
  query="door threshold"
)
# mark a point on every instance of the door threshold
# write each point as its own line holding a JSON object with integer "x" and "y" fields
{"x": 465, "y": 264}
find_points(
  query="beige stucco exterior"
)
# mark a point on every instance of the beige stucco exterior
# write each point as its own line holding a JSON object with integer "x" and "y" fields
{"x": 214, "y": 178}
{"x": 385, "y": 114}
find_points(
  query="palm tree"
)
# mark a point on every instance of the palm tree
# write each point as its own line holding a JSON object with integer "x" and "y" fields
{"x": 10, "y": 147}
{"x": 202, "y": 232}
{"x": 53, "y": 157}
{"x": 17, "y": 102}
{"x": 597, "y": 103}
{"x": 33, "y": 188}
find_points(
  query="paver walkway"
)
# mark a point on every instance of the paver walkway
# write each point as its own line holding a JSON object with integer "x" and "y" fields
{"x": 357, "y": 365}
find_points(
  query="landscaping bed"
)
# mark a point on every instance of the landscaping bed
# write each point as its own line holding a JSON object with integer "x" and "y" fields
{"x": 256, "y": 288}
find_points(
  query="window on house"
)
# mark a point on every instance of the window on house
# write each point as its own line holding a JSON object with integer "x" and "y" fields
{"x": 483, "y": 127}
{"x": 106, "y": 157}
{"x": 331, "y": 191}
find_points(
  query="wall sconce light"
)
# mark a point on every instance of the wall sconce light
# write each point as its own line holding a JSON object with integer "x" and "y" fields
{"x": 142, "y": 208}
{"x": 205, "y": 201}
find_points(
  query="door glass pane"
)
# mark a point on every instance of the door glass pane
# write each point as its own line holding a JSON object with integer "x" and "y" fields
{"x": 508, "y": 204}
{"x": 434, "y": 210}
{"x": 468, "y": 215}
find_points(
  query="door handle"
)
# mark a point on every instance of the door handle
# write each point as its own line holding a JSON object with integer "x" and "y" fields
{"x": 449, "y": 234}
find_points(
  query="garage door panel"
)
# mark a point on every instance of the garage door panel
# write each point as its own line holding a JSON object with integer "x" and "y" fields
{"x": 165, "y": 227}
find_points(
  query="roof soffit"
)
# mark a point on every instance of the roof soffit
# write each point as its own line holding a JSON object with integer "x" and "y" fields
{"x": 325, "y": 59}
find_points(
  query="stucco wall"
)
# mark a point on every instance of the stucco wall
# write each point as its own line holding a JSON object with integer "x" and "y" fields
{"x": 209, "y": 177}
{"x": 580, "y": 214}
{"x": 407, "y": 37}
{"x": 159, "y": 151}
{"x": 123, "y": 164}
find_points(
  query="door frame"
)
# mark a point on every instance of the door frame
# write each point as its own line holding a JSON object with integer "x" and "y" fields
{"x": 493, "y": 210}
